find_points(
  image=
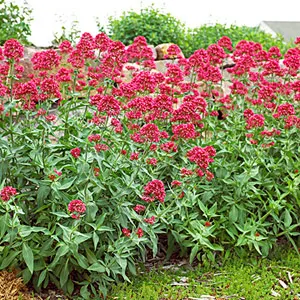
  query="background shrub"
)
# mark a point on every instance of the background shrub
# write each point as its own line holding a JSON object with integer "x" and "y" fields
{"x": 203, "y": 36}
{"x": 156, "y": 26}
{"x": 14, "y": 22}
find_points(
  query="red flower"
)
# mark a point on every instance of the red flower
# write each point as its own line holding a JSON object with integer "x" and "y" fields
{"x": 254, "y": 121}
{"x": 139, "y": 208}
{"x": 185, "y": 131}
{"x": 126, "y": 232}
{"x": 96, "y": 171}
{"x": 139, "y": 232}
{"x": 45, "y": 60}
{"x": 154, "y": 190}
{"x": 50, "y": 118}
{"x": 101, "y": 147}
{"x": 150, "y": 220}
{"x": 123, "y": 152}
{"x": 59, "y": 173}
{"x": 75, "y": 152}
{"x": 207, "y": 224}
{"x": 209, "y": 176}
{"x": 176, "y": 183}
{"x": 225, "y": 42}
{"x": 13, "y": 50}
{"x": 65, "y": 47}
{"x": 94, "y": 137}
{"x": 201, "y": 156}
{"x": 134, "y": 156}
{"x": 7, "y": 192}
{"x": 151, "y": 161}
{"x": 76, "y": 207}
{"x": 52, "y": 177}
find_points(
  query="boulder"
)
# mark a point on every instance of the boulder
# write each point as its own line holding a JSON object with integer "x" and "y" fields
{"x": 162, "y": 52}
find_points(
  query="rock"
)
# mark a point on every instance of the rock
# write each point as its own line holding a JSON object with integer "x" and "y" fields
{"x": 26, "y": 62}
{"x": 227, "y": 63}
{"x": 161, "y": 65}
{"x": 162, "y": 51}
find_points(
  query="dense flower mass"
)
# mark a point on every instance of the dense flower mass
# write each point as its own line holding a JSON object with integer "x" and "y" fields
{"x": 7, "y": 192}
{"x": 75, "y": 152}
{"x": 45, "y": 60}
{"x": 13, "y": 50}
{"x": 154, "y": 190}
{"x": 76, "y": 208}
{"x": 199, "y": 144}
{"x": 202, "y": 156}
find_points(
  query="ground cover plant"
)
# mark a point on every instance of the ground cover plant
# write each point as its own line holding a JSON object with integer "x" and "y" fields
{"x": 99, "y": 170}
{"x": 250, "y": 277}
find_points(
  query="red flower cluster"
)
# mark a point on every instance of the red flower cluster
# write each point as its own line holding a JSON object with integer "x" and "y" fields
{"x": 184, "y": 131}
{"x": 154, "y": 190}
{"x": 7, "y": 192}
{"x": 148, "y": 133}
{"x": 75, "y": 152}
{"x": 254, "y": 121}
{"x": 202, "y": 156}
{"x": 76, "y": 207}
{"x": 45, "y": 60}
{"x": 139, "y": 232}
{"x": 65, "y": 47}
{"x": 139, "y": 208}
{"x": 13, "y": 50}
{"x": 94, "y": 137}
{"x": 126, "y": 232}
{"x": 150, "y": 220}
{"x": 107, "y": 104}
{"x": 139, "y": 50}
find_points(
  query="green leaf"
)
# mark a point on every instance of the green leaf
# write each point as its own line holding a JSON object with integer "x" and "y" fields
{"x": 207, "y": 196}
{"x": 85, "y": 294}
{"x": 42, "y": 194}
{"x": 233, "y": 214}
{"x": 194, "y": 253}
{"x": 7, "y": 260}
{"x": 97, "y": 267}
{"x": 95, "y": 240}
{"x": 27, "y": 230}
{"x": 42, "y": 277}
{"x": 64, "y": 274}
{"x": 3, "y": 224}
{"x": 60, "y": 214}
{"x": 67, "y": 183}
{"x": 28, "y": 257}
{"x": 287, "y": 218}
{"x": 91, "y": 211}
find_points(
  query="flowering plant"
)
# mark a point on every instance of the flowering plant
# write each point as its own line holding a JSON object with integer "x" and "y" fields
{"x": 100, "y": 159}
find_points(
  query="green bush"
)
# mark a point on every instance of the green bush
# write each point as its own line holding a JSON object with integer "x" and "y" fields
{"x": 158, "y": 27}
{"x": 117, "y": 174}
{"x": 206, "y": 35}
{"x": 151, "y": 23}
{"x": 14, "y": 22}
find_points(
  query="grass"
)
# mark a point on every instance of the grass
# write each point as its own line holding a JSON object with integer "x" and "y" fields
{"x": 276, "y": 277}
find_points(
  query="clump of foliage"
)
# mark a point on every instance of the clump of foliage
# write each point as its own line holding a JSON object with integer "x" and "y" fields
{"x": 205, "y": 35}
{"x": 14, "y": 22}
{"x": 157, "y": 27}
{"x": 125, "y": 162}
{"x": 249, "y": 277}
